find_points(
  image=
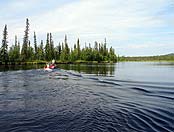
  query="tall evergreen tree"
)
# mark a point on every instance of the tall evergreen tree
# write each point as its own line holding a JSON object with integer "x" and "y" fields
{"x": 16, "y": 49}
{"x": 96, "y": 46}
{"x": 58, "y": 51}
{"x": 62, "y": 56}
{"x": 105, "y": 49}
{"x": 74, "y": 53}
{"x": 19, "y": 50}
{"x": 25, "y": 51}
{"x": 99, "y": 52}
{"x": 63, "y": 47}
{"x": 4, "y": 48}
{"x": 75, "y": 47}
{"x": 96, "y": 55}
{"x": 16, "y": 41}
{"x": 112, "y": 55}
{"x": 14, "y": 52}
{"x": 41, "y": 51}
{"x": 47, "y": 49}
{"x": 35, "y": 47}
{"x": 67, "y": 50}
{"x": 52, "y": 52}
{"x": 30, "y": 52}
{"x": 78, "y": 49}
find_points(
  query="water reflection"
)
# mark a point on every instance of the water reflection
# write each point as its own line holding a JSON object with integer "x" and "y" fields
{"x": 19, "y": 67}
{"x": 97, "y": 69}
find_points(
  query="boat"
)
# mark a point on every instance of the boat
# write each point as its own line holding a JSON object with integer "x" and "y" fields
{"x": 47, "y": 69}
{"x": 50, "y": 67}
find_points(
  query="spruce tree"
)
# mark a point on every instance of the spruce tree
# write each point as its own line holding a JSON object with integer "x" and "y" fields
{"x": 25, "y": 51}
{"x": 59, "y": 49}
{"x": 52, "y": 52}
{"x": 35, "y": 47}
{"x": 96, "y": 46}
{"x": 19, "y": 50}
{"x": 4, "y": 49}
{"x": 112, "y": 55}
{"x": 16, "y": 40}
{"x": 78, "y": 49}
{"x": 17, "y": 45}
{"x": 16, "y": 50}
{"x": 30, "y": 52}
{"x": 58, "y": 52}
{"x": 67, "y": 50}
{"x": 62, "y": 56}
{"x": 41, "y": 51}
{"x": 96, "y": 54}
{"x": 47, "y": 49}
{"x": 105, "y": 49}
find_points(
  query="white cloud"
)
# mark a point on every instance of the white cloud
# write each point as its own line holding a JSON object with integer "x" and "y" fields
{"x": 92, "y": 20}
{"x": 100, "y": 17}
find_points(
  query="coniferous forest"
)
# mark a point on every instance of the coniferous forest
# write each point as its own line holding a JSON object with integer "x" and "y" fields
{"x": 41, "y": 51}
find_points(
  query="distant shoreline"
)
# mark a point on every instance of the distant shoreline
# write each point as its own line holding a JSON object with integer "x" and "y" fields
{"x": 57, "y": 62}
{"x": 146, "y": 61}
{"x": 168, "y": 57}
{"x": 82, "y": 62}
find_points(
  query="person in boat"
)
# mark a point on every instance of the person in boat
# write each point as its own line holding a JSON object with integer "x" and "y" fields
{"x": 47, "y": 65}
{"x": 52, "y": 66}
{"x": 53, "y": 61}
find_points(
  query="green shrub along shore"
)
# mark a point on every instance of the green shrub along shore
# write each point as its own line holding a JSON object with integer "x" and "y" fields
{"x": 43, "y": 52}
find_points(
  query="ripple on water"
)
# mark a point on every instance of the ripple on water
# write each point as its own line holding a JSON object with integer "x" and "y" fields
{"x": 35, "y": 100}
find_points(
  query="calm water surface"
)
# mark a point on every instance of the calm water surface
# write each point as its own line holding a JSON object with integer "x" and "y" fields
{"x": 123, "y": 97}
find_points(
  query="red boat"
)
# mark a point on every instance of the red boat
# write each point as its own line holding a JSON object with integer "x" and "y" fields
{"x": 52, "y": 66}
{"x": 49, "y": 66}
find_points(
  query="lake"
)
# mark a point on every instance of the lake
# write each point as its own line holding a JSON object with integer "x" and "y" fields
{"x": 122, "y": 97}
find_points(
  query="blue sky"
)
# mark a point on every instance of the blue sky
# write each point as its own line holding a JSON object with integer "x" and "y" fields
{"x": 132, "y": 27}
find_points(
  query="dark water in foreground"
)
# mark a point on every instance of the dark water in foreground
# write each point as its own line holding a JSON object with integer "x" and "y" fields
{"x": 125, "y": 97}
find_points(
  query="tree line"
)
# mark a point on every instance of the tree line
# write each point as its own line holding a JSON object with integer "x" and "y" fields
{"x": 47, "y": 51}
{"x": 148, "y": 58}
